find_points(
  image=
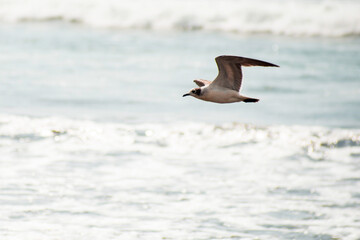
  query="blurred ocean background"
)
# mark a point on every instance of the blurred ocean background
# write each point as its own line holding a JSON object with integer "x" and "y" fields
{"x": 96, "y": 141}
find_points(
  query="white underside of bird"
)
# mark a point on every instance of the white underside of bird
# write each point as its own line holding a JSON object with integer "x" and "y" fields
{"x": 220, "y": 95}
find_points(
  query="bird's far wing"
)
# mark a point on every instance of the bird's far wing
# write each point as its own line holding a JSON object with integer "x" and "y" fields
{"x": 202, "y": 82}
{"x": 230, "y": 75}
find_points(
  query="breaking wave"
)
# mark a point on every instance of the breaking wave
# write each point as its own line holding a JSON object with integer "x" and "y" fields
{"x": 71, "y": 172}
{"x": 332, "y": 18}
{"x": 55, "y": 135}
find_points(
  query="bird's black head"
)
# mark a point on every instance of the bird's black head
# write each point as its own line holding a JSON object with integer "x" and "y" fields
{"x": 195, "y": 92}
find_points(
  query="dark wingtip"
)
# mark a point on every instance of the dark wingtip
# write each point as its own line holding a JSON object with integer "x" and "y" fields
{"x": 244, "y": 61}
{"x": 266, "y": 64}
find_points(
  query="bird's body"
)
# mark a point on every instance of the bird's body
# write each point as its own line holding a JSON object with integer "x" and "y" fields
{"x": 226, "y": 86}
{"x": 219, "y": 95}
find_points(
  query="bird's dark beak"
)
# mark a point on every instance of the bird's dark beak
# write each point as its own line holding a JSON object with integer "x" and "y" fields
{"x": 187, "y": 94}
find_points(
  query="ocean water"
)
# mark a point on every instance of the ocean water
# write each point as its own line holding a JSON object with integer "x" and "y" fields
{"x": 96, "y": 141}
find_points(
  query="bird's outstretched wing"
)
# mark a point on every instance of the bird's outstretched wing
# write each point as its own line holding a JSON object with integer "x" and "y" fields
{"x": 202, "y": 82}
{"x": 230, "y": 75}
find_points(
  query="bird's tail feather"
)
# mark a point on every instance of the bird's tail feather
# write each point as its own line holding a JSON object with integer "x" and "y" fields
{"x": 247, "y": 100}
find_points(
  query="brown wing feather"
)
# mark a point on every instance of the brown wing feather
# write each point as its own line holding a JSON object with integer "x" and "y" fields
{"x": 202, "y": 82}
{"x": 230, "y": 75}
{"x": 246, "y": 62}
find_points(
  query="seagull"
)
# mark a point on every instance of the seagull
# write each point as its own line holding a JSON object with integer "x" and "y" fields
{"x": 226, "y": 86}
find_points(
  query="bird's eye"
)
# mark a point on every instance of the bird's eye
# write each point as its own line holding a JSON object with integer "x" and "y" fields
{"x": 193, "y": 91}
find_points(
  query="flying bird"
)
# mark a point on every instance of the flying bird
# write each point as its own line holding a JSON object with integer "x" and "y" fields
{"x": 226, "y": 86}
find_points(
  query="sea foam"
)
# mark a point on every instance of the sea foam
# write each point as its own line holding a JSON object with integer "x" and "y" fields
{"x": 177, "y": 138}
{"x": 135, "y": 180}
{"x": 333, "y": 18}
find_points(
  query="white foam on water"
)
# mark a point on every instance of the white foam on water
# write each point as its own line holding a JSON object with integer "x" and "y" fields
{"x": 332, "y": 18}
{"x": 78, "y": 179}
